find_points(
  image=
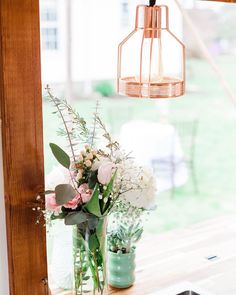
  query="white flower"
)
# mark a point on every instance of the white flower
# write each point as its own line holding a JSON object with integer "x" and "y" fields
{"x": 140, "y": 187}
{"x": 98, "y": 162}
{"x": 105, "y": 171}
{"x": 59, "y": 175}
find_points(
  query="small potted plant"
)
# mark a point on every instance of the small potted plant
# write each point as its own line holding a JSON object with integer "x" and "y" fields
{"x": 126, "y": 227}
{"x": 121, "y": 255}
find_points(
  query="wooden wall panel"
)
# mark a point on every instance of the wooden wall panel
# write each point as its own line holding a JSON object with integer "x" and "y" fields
{"x": 22, "y": 135}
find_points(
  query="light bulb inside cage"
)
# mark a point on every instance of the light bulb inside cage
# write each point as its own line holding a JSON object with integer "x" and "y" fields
{"x": 151, "y": 59}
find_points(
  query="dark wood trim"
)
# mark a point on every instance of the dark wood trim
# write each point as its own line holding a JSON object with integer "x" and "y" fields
{"x": 22, "y": 135}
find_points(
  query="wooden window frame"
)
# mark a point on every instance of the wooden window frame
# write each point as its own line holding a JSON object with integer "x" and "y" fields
{"x": 22, "y": 142}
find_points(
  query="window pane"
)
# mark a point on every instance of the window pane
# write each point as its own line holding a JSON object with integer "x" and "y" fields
{"x": 49, "y": 38}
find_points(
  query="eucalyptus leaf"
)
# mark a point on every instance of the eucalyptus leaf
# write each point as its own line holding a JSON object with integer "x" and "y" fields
{"x": 47, "y": 192}
{"x": 92, "y": 222}
{"x": 60, "y": 155}
{"x": 64, "y": 193}
{"x": 75, "y": 218}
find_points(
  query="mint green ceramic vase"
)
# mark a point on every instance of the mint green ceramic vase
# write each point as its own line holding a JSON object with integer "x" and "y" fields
{"x": 121, "y": 269}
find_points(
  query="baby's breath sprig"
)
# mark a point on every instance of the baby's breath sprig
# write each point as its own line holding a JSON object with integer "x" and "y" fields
{"x": 39, "y": 208}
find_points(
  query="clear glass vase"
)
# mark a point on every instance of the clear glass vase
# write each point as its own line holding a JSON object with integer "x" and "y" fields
{"x": 89, "y": 252}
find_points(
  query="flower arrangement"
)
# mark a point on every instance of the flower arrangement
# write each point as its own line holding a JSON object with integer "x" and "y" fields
{"x": 95, "y": 182}
{"x": 89, "y": 192}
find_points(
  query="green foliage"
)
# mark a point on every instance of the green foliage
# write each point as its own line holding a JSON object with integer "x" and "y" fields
{"x": 64, "y": 193}
{"x": 93, "y": 243}
{"x": 92, "y": 221}
{"x": 106, "y": 195}
{"x": 81, "y": 265}
{"x": 112, "y": 145}
{"x": 75, "y": 218}
{"x": 60, "y": 155}
{"x": 109, "y": 188}
{"x": 93, "y": 206}
{"x": 69, "y": 115}
{"x": 124, "y": 237}
{"x": 105, "y": 88}
{"x": 92, "y": 179}
{"x": 58, "y": 216}
{"x": 89, "y": 258}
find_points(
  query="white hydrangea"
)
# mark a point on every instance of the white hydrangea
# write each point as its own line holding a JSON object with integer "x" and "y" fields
{"x": 138, "y": 185}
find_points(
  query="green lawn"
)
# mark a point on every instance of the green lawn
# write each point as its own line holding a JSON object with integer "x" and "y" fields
{"x": 215, "y": 150}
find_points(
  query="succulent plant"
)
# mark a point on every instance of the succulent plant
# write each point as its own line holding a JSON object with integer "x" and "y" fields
{"x": 124, "y": 237}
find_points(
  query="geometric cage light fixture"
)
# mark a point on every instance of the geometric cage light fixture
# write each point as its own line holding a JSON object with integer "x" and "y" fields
{"x": 151, "y": 59}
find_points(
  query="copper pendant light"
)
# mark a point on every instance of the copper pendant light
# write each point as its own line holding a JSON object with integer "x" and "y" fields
{"x": 151, "y": 59}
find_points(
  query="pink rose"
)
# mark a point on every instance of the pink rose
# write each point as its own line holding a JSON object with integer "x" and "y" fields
{"x": 72, "y": 204}
{"x": 85, "y": 192}
{"x": 105, "y": 172}
{"x": 52, "y": 205}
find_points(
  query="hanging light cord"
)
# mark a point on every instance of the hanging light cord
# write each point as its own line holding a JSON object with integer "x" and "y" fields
{"x": 152, "y": 3}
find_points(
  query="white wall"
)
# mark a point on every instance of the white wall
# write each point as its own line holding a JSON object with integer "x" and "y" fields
{"x": 96, "y": 32}
{"x": 54, "y": 61}
{"x": 4, "y": 280}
